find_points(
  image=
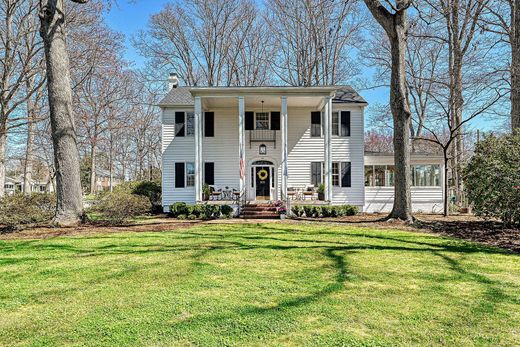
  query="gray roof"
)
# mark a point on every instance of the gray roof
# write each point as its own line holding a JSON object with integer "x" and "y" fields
{"x": 347, "y": 94}
{"x": 178, "y": 96}
{"x": 181, "y": 96}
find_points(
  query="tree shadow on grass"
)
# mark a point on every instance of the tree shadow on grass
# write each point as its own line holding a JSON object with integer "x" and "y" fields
{"x": 262, "y": 237}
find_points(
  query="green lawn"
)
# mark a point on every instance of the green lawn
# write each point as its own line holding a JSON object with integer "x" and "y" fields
{"x": 265, "y": 284}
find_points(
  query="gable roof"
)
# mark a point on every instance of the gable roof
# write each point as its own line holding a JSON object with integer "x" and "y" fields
{"x": 347, "y": 94}
{"x": 178, "y": 96}
{"x": 182, "y": 96}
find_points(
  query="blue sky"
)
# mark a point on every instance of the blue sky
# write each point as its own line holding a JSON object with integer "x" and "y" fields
{"x": 128, "y": 17}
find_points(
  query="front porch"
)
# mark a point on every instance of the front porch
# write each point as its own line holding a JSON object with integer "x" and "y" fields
{"x": 264, "y": 142}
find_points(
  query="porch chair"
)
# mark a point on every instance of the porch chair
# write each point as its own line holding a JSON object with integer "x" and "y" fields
{"x": 292, "y": 193}
{"x": 215, "y": 194}
{"x": 309, "y": 192}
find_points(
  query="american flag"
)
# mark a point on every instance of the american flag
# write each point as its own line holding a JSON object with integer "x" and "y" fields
{"x": 242, "y": 168}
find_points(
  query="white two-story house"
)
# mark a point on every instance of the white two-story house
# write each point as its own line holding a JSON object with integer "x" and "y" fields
{"x": 269, "y": 143}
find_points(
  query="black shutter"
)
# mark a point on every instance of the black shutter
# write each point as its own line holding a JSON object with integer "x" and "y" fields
{"x": 209, "y": 124}
{"x": 179, "y": 123}
{"x": 346, "y": 176}
{"x": 316, "y": 124}
{"x": 179, "y": 175}
{"x": 316, "y": 173}
{"x": 250, "y": 120}
{"x": 275, "y": 120}
{"x": 209, "y": 173}
{"x": 345, "y": 123}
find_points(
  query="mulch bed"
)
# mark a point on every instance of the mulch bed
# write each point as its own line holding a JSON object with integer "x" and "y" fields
{"x": 464, "y": 227}
{"x": 492, "y": 233}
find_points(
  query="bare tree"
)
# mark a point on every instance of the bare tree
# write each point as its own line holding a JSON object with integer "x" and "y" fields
{"x": 394, "y": 22}
{"x": 503, "y": 19}
{"x": 460, "y": 19}
{"x": 19, "y": 64}
{"x": 311, "y": 40}
{"x": 69, "y": 209}
{"x": 198, "y": 39}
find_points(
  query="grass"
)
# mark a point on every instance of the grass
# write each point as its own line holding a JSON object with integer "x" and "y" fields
{"x": 265, "y": 284}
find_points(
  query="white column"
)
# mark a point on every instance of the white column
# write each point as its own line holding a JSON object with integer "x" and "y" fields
{"x": 198, "y": 148}
{"x": 284, "y": 167}
{"x": 241, "y": 145}
{"x": 327, "y": 128}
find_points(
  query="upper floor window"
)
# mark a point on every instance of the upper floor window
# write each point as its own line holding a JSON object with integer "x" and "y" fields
{"x": 190, "y": 124}
{"x": 184, "y": 124}
{"x": 262, "y": 121}
{"x": 335, "y": 124}
{"x": 316, "y": 124}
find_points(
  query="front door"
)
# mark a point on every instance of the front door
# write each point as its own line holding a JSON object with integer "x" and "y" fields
{"x": 263, "y": 182}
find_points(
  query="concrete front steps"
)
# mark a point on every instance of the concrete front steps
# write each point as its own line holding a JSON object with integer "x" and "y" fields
{"x": 259, "y": 211}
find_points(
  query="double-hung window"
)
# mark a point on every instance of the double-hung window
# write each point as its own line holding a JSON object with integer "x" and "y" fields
{"x": 262, "y": 121}
{"x": 190, "y": 174}
{"x": 184, "y": 124}
{"x": 335, "y": 124}
{"x": 190, "y": 124}
{"x": 335, "y": 174}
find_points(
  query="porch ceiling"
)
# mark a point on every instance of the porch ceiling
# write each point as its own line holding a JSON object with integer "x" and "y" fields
{"x": 270, "y": 102}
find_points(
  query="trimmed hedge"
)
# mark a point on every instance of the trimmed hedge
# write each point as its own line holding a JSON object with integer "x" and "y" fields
{"x": 324, "y": 211}
{"x": 181, "y": 210}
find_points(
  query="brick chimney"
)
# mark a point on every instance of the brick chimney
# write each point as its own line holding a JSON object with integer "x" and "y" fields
{"x": 173, "y": 81}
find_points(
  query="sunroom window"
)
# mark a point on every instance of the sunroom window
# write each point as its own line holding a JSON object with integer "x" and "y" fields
{"x": 384, "y": 175}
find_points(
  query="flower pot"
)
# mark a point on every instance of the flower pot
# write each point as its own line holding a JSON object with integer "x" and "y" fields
{"x": 283, "y": 216}
{"x": 205, "y": 197}
{"x": 321, "y": 196}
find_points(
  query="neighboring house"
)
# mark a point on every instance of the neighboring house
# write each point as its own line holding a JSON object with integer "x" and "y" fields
{"x": 267, "y": 142}
{"x": 103, "y": 180}
{"x": 14, "y": 185}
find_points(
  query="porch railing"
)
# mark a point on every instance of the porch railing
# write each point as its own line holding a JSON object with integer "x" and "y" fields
{"x": 262, "y": 135}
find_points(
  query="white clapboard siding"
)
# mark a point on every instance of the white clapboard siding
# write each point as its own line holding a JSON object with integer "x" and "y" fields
{"x": 424, "y": 199}
{"x": 223, "y": 151}
{"x": 181, "y": 149}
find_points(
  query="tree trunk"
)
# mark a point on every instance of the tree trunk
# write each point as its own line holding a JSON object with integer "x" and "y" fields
{"x": 515, "y": 66}
{"x": 93, "y": 187}
{"x": 402, "y": 118}
{"x": 445, "y": 197}
{"x": 396, "y": 27}
{"x": 69, "y": 209}
{"x": 27, "y": 172}
{"x": 3, "y": 141}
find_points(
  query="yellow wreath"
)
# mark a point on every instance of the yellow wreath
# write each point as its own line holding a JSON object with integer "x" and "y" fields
{"x": 262, "y": 174}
